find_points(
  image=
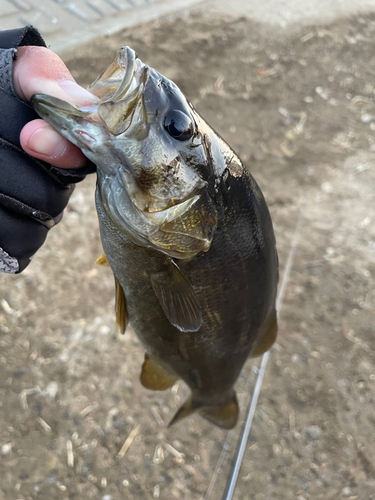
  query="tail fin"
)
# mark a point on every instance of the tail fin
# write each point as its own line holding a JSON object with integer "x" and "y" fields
{"x": 186, "y": 409}
{"x": 224, "y": 416}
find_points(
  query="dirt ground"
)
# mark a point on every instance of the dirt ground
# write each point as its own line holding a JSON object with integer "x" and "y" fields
{"x": 75, "y": 423}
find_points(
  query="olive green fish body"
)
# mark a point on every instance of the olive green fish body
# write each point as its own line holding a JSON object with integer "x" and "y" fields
{"x": 185, "y": 230}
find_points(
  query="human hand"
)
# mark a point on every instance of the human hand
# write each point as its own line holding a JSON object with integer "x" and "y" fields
{"x": 39, "y": 70}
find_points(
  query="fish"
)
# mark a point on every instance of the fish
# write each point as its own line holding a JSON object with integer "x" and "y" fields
{"x": 185, "y": 230}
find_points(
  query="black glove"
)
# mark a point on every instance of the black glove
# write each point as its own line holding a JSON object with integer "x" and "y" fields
{"x": 33, "y": 194}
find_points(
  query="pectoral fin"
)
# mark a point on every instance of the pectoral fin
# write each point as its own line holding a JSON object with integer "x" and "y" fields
{"x": 154, "y": 376}
{"x": 224, "y": 416}
{"x": 120, "y": 308}
{"x": 267, "y": 340}
{"x": 120, "y": 301}
{"x": 102, "y": 260}
{"x": 177, "y": 298}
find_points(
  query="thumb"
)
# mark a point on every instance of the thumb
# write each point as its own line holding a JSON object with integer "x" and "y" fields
{"x": 39, "y": 70}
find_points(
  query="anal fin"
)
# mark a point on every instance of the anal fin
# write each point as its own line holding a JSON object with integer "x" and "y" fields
{"x": 120, "y": 308}
{"x": 177, "y": 298}
{"x": 102, "y": 260}
{"x": 268, "y": 338}
{"x": 155, "y": 377}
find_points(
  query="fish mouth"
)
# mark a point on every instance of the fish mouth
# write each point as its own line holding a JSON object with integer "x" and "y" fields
{"x": 121, "y": 77}
{"x": 119, "y": 108}
{"x": 120, "y": 90}
{"x": 76, "y": 123}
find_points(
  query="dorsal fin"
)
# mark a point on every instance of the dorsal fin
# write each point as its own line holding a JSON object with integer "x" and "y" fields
{"x": 268, "y": 338}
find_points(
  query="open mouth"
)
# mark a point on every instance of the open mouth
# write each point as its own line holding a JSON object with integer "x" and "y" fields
{"x": 121, "y": 78}
{"x": 120, "y": 105}
{"x": 120, "y": 90}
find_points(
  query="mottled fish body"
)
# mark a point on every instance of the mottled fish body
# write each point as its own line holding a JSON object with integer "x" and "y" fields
{"x": 185, "y": 230}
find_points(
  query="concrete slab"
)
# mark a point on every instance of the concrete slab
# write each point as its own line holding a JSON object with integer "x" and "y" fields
{"x": 67, "y": 24}
{"x": 61, "y": 42}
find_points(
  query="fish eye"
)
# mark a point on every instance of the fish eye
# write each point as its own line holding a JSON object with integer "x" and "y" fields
{"x": 179, "y": 125}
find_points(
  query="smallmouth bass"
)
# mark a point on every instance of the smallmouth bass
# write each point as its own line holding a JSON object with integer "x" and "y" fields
{"x": 185, "y": 230}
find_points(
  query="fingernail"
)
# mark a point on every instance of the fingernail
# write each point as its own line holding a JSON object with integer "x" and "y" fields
{"x": 75, "y": 90}
{"x": 47, "y": 141}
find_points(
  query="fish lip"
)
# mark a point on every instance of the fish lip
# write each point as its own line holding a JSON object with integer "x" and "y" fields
{"x": 65, "y": 117}
{"x": 47, "y": 102}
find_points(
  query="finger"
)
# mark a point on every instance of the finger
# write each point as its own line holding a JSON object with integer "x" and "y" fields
{"x": 42, "y": 141}
{"x": 38, "y": 70}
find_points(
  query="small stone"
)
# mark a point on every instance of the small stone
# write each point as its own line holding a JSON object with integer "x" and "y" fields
{"x": 6, "y": 448}
{"x": 283, "y": 112}
{"x": 177, "y": 444}
{"x": 19, "y": 372}
{"x": 64, "y": 356}
{"x": 327, "y": 187}
{"x": 52, "y": 477}
{"x": 104, "y": 330}
{"x": 313, "y": 432}
{"x": 156, "y": 493}
{"x": 346, "y": 492}
{"x": 51, "y": 390}
{"x": 366, "y": 118}
{"x": 321, "y": 93}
